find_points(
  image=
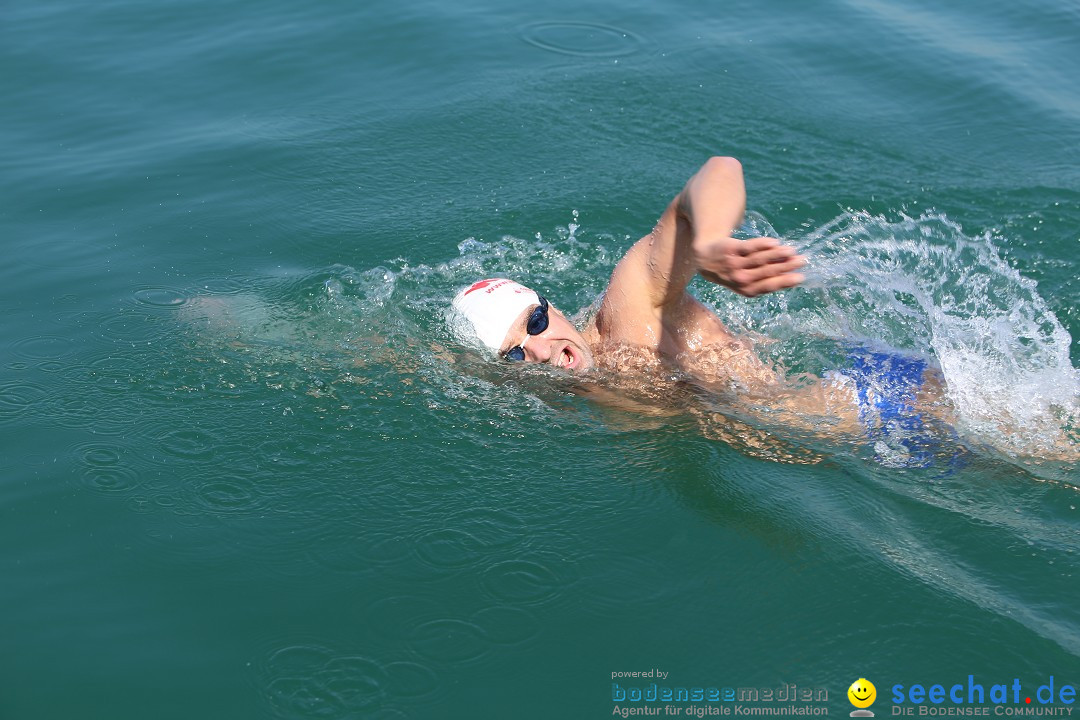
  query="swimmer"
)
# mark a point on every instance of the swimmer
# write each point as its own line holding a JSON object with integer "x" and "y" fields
{"x": 646, "y": 320}
{"x": 646, "y": 304}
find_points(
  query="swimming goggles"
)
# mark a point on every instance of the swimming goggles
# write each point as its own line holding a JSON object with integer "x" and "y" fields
{"x": 538, "y": 323}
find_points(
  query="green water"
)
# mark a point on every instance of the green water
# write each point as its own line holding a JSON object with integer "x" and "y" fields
{"x": 247, "y": 472}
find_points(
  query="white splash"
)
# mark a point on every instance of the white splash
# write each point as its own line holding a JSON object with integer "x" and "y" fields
{"x": 923, "y": 284}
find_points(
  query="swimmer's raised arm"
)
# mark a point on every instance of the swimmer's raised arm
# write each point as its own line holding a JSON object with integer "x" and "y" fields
{"x": 694, "y": 236}
{"x": 712, "y": 205}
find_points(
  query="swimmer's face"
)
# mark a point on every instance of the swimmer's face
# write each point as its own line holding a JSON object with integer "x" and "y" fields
{"x": 560, "y": 345}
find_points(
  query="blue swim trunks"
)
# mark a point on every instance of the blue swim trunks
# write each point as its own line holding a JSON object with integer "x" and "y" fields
{"x": 886, "y": 385}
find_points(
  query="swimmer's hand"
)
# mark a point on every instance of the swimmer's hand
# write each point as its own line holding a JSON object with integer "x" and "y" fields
{"x": 749, "y": 267}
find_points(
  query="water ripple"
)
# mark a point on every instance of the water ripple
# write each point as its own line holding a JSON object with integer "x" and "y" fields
{"x": 507, "y": 625}
{"x": 81, "y": 411}
{"x": 18, "y": 397}
{"x": 190, "y": 444}
{"x": 525, "y": 581}
{"x": 394, "y": 615}
{"x": 104, "y": 468}
{"x": 582, "y": 39}
{"x": 389, "y": 714}
{"x": 164, "y": 297}
{"x": 447, "y": 548}
{"x": 131, "y": 327}
{"x": 43, "y": 347}
{"x": 469, "y": 537}
{"x": 490, "y": 528}
{"x": 116, "y": 479}
{"x": 50, "y": 366}
{"x": 625, "y": 576}
{"x": 228, "y": 495}
{"x": 407, "y": 679}
{"x": 353, "y": 552}
{"x": 449, "y": 640}
{"x": 313, "y": 680}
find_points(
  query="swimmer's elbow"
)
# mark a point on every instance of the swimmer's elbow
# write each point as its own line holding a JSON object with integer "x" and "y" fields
{"x": 718, "y": 171}
{"x": 723, "y": 163}
{"x": 720, "y": 177}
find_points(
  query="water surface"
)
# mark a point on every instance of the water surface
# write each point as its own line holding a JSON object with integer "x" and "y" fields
{"x": 248, "y": 472}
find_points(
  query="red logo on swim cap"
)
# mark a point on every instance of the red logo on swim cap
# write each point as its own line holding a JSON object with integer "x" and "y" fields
{"x": 494, "y": 283}
{"x": 479, "y": 285}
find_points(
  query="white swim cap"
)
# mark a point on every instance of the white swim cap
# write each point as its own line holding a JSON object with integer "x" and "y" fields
{"x": 492, "y": 306}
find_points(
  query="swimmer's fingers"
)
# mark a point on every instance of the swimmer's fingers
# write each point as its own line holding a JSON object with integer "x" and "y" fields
{"x": 751, "y": 254}
{"x": 753, "y": 281}
{"x": 772, "y": 284}
{"x": 759, "y": 271}
{"x": 754, "y": 245}
{"x": 743, "y": 264}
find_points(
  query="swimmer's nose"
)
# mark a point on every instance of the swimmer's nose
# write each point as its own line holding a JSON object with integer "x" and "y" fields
{"x": 538, "y": 349}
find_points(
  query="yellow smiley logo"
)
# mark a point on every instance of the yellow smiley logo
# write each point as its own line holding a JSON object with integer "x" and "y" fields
{"x": 862, "y": 693}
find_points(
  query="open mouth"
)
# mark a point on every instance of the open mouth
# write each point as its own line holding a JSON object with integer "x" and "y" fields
{"x": 567, "y": 358}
